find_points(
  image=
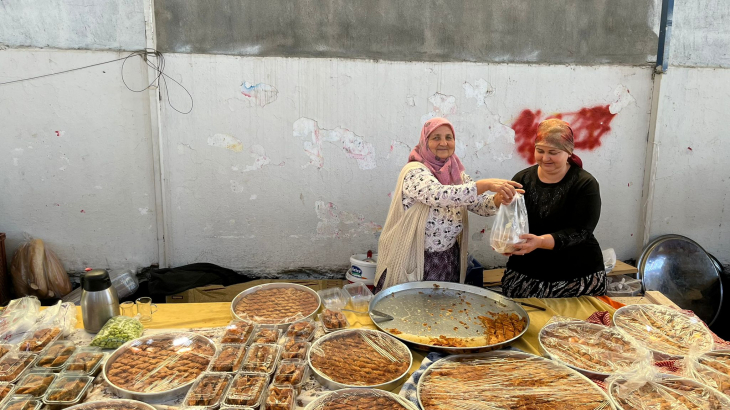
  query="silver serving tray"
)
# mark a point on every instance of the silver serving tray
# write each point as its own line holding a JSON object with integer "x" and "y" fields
{"x": 411, "y": 300}
{"x": 725, "y": 401}
{"x": 586, "y": 372}
{"x": 282, "y": 326}
{"x": 317, "y": 404}
{"x": 512, "y": 353}
{"x": 156, "y": 397}
{"x": 658, "y": 354}
{"x": 325, "y": 381}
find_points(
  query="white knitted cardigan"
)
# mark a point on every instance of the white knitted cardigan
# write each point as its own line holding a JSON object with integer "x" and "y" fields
{"x": 401, "y": 243}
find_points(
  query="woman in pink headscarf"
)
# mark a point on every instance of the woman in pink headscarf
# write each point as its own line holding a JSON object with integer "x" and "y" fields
{"x": 425, "y": 235}
{"x": 560, "y": 256}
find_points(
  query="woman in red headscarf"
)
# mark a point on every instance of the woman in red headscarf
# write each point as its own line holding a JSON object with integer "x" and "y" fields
{"x": 425, "y": 234}
{"x": 560, "y": 257}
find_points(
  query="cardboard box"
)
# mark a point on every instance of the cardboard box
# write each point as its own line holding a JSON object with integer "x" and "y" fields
{"x": 219, "y": 293}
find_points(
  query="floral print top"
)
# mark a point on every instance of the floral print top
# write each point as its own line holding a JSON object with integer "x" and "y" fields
{"x": 444, "y": 222}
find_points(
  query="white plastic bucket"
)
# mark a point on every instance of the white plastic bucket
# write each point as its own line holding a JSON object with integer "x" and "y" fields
{"x": 360, "y": 269}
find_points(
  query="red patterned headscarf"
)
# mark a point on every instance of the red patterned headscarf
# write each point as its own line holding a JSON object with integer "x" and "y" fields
{"x": 448, "y": 172}
{"x": 558, "y": 134}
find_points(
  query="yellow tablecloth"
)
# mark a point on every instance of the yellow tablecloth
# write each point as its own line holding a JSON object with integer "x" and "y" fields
{"x": 203, "y": 315}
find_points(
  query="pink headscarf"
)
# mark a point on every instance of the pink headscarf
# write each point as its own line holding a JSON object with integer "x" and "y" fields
{"x": 448, "y": 172}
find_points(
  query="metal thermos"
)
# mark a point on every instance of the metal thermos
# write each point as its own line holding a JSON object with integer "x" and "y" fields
{"x": 99, "y": 300}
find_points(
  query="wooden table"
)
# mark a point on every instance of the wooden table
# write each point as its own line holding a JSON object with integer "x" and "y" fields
{"x": 493, "y": 277}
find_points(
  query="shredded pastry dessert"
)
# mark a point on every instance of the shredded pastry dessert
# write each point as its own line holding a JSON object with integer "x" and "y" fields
{"x": 238, "y": 331}
{"x": 160, "y": 363}
{"x": 664, "y": 329}
{"x": 294, "y": 349}
{"x": 277, "y": 305}
{"x": 591, "y": 347}
{"x": 333, "y": 319}
{"x": 290, "y": 372}
{"x": 34, "y": 384}
{"x": 361, "y": 399}
{"x": 506, "y": 380}
{"x": 360, "y": 358}
{"x": 669, "y": 394}
{"x": 301, "y": 330}
{"x": 261, "y": 358}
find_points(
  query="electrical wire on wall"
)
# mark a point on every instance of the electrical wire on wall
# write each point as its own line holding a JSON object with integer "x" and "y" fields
{"x": 147, "y": 55}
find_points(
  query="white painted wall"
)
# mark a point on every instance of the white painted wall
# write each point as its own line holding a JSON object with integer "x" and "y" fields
{"x": 264, "y": 204}
{"x": 76, "y": 159}
{"x": 701, "y": 34}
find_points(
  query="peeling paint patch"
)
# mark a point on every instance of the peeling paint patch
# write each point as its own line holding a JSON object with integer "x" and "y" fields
{"x": 236, "y": 187}
{"x": 260, "y": 159}
{"x": 352, "y": 144}
{"x": 262, "y": 94}
{"x": 443, "y": 105}
{"x": 336, "y": 224}
{"x": 225, "y": 141}
{"x": 398, "y": 144}
{"x": 480, "y": 91}
{"x": 144, "y": 211}
{"x": 411, "y": 100}
{"x": 622, "y": 98}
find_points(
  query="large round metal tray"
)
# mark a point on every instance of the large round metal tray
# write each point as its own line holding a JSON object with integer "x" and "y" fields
{"x": 510, "y": 390}
{"x": 696, "y": 330}
{"x": 254, "y": 289}
{"x": 344, "y": 393}
{"x": 605, "y": 330}
{"x": 112, "y": 404}
{"x": 684, "y": 272}
{"x": 325, "y": 381}
{"x": 722, "y": 399}
{"x": 423, "y": 302}
{"x": 155, "y": 397}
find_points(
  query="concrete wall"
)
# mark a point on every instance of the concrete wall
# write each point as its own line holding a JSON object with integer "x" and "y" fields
{"x": 297, "y": 171}
{"x": 512, "y": 31}
{"x": 76, "y": 159}
{"x": 288, "y": 163}
{"x": 692, "y": 177}
{"x": 78, "y": 24}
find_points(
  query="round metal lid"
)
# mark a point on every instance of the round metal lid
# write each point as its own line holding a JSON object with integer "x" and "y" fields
{"x": 679, "y": 268}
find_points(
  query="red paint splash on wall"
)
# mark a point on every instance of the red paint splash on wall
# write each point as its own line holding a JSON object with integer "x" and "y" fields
{"x": 589, "y": 126}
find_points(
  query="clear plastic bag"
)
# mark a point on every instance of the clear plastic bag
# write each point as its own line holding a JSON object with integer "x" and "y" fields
{"x": 118, "y": 331}
{"x": 646, "y": 389}
{"x": 712, "y": 369}
{"x": 510, "y": 223}
{"x": 502, "y": 380}
{"x": 362, "y": 399}
{"x": 62, "y": 315}
{"x": 591, "y": 348}
{"x": 18, "y": 318}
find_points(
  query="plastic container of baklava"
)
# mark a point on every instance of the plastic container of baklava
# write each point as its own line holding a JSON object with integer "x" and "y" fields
{"x": 208, "y": 391}
{"x": 342, "y": 319}
{"x": 266, "y": 334}
{"x": 261, "y": 358}
{"x": 291, "y": 348}
{"x": 228, "y": 359}
{"x": 281, "y": 398}
{"x": 22, "y": 403}
{"x": 238, "y": 332}
{"x": 247, "y": 390}
{"x": 14, "y": 365}
{"x": 302, "y": 330}
{"x": 35, "y": 384}
{"x": 5, "y": 349}
{"x": 39, "y": 338}
{"x": 86, "y": 361}
{"x": 291, "y": 373}
{"x": 55, "y": 356}
{"x": 68, "y": 390}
